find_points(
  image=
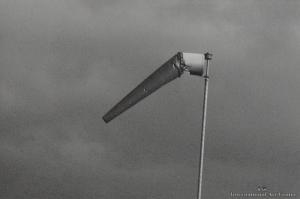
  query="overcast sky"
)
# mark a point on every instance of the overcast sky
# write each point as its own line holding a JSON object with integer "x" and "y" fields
{"x": 64, "y": 63}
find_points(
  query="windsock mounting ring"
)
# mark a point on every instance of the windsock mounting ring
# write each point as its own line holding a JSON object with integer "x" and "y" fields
{"x": 193, "y": 63}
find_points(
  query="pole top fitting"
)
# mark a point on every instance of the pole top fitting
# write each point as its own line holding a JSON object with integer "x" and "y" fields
{"x": 208, "y": 56}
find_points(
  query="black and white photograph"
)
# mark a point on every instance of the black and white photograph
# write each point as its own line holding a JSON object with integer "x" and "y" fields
{"x": 160, "y": 99}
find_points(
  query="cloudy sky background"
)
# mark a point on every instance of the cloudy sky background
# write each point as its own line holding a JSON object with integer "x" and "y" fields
{"x": 64, "y": 63}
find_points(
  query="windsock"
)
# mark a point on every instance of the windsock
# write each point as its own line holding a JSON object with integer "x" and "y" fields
{"x": 170, "y": 70}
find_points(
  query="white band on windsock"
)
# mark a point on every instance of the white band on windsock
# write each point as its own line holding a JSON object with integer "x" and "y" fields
{"x": 195, "y": 62}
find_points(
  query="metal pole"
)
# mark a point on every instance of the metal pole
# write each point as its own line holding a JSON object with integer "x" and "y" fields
{"x": 208, "y": 57}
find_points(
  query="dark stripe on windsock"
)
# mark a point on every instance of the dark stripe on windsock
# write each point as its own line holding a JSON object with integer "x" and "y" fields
{"x": 166, "y": 73}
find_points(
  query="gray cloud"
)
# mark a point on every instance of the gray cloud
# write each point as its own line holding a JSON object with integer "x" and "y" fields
{"x": 64, "y": 63}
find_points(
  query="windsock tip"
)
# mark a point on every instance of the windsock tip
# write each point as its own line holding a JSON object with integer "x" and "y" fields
{"x": 105, "y": 119}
